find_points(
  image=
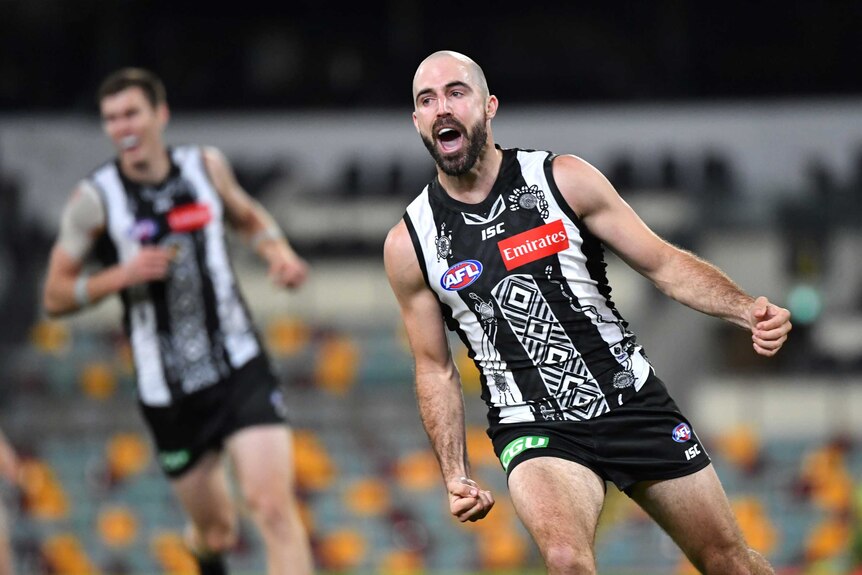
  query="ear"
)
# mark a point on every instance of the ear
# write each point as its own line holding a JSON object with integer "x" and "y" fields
{"x": 164, "y": 114}
{"x": 491, "y": 106}
{"x": 415, "y": 122}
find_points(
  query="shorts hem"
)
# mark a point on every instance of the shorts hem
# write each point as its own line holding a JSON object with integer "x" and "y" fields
{"x": 683, "y": 472}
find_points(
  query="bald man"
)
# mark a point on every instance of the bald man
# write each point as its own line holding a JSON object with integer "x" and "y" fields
{"x": 505, "y": 247}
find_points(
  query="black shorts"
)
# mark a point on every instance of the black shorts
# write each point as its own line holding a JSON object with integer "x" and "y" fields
{"x": 646, "y": 438}
{"x": 202, "y": 421}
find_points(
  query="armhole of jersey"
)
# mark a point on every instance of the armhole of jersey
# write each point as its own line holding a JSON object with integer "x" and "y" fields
{"x": 417, "y": 247}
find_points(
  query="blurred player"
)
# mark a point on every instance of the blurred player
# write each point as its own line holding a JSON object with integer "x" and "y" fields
{"x": 505, "y": 247}
{"x": 155, "y": 217}
{"x": 9, "y": 471}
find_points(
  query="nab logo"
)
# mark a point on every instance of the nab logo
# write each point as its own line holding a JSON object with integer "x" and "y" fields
{"x": 461, "y": 275}
{"x": 681, "y": 433}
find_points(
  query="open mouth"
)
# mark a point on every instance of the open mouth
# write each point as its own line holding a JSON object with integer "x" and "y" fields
{"x": 129, "y": 143}
{"x": 450, "y": 139}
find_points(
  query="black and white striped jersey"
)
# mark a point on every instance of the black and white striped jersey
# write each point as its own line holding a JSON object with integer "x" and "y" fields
{"x": 522, "y": 281}
{"x": 193, "y": 329}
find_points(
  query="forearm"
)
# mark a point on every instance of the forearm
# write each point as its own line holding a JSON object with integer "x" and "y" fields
{"x": 66, "y": 295}
{"x": 441, "y": 408}
{"x": 700, "y": 285}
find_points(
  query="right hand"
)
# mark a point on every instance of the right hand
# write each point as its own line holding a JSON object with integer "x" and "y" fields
{"x": 151, "y": 263}
{"x": 467, "y": 502}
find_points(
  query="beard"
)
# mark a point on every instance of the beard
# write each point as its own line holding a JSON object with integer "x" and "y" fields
{"x": 462, "y": 161}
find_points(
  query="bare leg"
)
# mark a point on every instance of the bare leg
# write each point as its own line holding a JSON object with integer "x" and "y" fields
{"x": 262, "y": 456}
{"x": 204, "y": 494}
{"x": 559, "y": 502}
{"x": 7, "y": 564}
{"x": 695, "y": 512}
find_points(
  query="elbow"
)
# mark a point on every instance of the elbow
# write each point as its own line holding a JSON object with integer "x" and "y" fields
{"x": 53, "y": 306}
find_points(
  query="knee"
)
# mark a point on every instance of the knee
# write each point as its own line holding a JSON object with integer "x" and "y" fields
{"x": 215, "y": 537}
{"x": 567, "y": 559}
{"x": 270, "y": 510}
{"x": 736, "y": 561}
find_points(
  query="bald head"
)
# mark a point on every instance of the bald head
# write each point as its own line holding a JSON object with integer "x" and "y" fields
{"x": 447, "y": 61}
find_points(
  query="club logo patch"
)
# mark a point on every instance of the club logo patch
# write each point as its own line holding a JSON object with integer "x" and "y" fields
{"x": 461, "y": 275}
{"x": 443, "y": 243}
{"x": 529, "y": 198}
{"x": 534, "y": 244}
{"x": 681, "y": 433}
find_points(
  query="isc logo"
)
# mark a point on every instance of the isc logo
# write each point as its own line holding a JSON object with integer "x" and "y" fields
{"x": 692, "y": 452}
{"x": 461, "y": 275}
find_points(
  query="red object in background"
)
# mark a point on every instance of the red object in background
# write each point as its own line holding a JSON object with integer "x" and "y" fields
{"x": 189, "y": 217}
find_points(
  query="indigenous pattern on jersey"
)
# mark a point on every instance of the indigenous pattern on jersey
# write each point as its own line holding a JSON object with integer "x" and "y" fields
{"x": 193, "y": 329}
{"x": 522, "y": 281}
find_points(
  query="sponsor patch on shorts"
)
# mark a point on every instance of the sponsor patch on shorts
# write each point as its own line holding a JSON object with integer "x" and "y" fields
{"x": 174, "y": 460}
{"x": 520, "y": 444}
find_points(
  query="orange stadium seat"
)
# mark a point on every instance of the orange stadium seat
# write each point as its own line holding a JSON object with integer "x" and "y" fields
{"x": 315, "y": 469}
{"x": 337, "y": 365}
{"x": 65, "y": 554}
{"x": 51, "y": 337}
{"x": 127, "y": 454}
{"x": 44, "y": 497}
{"x": 343, "y": 550}
{"x": 367, "y": 497}
{"x": 418, "y": 471}
{"x": 98, "y": 380}
{"x": 117, "y": 525}
{"x": 287, "y": 336}
{"x": 171, "y": 554}
{"x": 401, "y": 562}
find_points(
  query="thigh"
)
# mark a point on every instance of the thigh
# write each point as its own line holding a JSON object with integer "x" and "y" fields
{"x": 262, "y": 456}
{"x": 559, "y": 501}
{"x": 694, "y": 511}
{"x": 204, "y": 492}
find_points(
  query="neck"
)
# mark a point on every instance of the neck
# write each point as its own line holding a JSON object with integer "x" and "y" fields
{"x": 475, "y": 185}
{"x": 151, "y": 170}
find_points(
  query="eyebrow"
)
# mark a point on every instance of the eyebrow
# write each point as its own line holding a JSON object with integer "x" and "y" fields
{"x": 450, "y": 85}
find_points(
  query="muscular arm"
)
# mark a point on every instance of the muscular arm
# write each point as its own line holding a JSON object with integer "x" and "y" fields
{"x": 255, "y": 224}
{"x": 678, "y": 273}
{"x": 83, "y": 220}
{"x": 438, "y": 384}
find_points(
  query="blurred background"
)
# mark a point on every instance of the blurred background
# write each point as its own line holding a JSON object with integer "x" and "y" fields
{"x": 734, "y": 130}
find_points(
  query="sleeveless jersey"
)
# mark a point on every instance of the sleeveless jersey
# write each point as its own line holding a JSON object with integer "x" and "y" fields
{"x": 522, "y": 281}
{"x": 191, "y": 330}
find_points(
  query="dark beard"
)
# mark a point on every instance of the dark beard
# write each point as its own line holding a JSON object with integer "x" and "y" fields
{"x": 463, "y": 162}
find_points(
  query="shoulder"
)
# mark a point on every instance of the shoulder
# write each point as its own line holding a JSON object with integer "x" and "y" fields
{"x": 214, "y": 159}
{"x": 398, "y": 244}
{"x": 582, "y": 185}
{"x": 401, "y": 261}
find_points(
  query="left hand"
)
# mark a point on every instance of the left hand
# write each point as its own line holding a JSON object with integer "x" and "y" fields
{"x": 287, "y": 269}
{"x": 769, "y": 325}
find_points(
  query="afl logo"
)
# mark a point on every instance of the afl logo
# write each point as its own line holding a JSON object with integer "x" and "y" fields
{"x": 681, "y": 433}
{"x": 461, "y": 275}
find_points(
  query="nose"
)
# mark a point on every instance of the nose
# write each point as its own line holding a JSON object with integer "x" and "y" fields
{"x": 443, "y": 108}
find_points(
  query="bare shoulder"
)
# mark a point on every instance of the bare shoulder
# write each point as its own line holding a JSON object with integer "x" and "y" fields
{"x": 399, "y": 258}
{"x": 583, "y": 186}
{"x": 398, "y": 247}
